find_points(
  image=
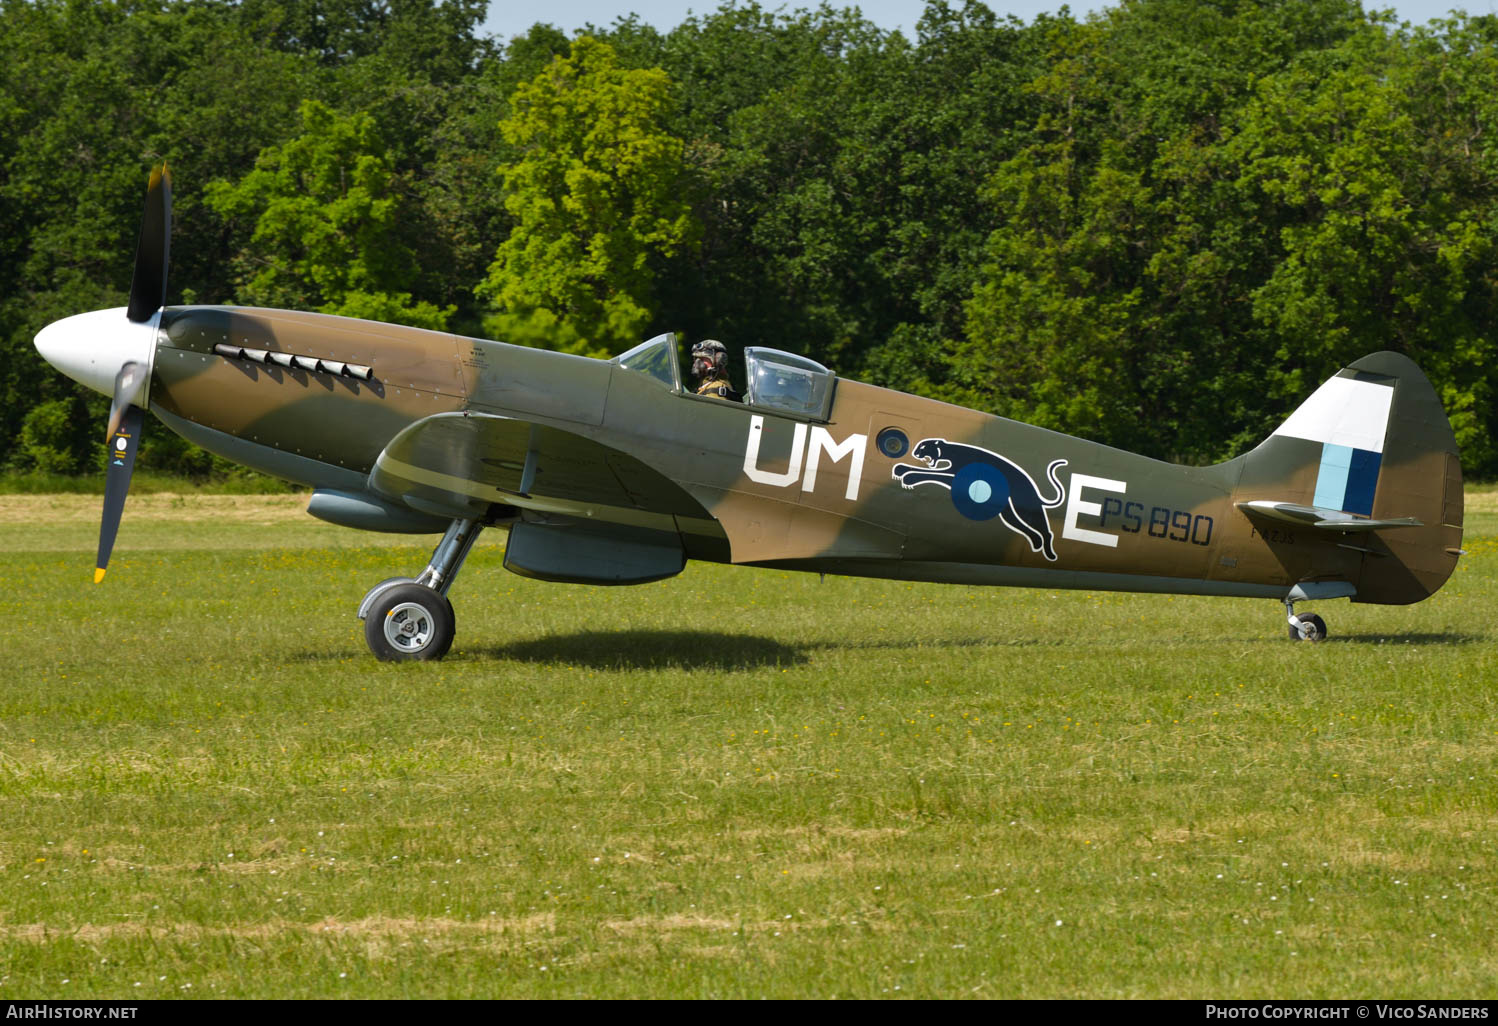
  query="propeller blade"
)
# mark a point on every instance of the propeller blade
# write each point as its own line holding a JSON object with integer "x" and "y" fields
{"x": 153, "y": 250}
{"x": 147, "y": 295}
{"x": 126, "y": 388}
{"x": 123, "y": 444}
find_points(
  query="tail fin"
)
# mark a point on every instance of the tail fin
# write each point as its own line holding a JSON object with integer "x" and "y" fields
{"x": 1371, "y": 456}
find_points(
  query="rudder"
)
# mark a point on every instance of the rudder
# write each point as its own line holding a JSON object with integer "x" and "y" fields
{"x": 1374, "y": 441}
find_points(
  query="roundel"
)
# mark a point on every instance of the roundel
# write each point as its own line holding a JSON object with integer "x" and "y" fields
{"x": 980, "y": 491}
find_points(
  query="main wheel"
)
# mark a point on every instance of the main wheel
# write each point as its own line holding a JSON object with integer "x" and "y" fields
{"x": 409, "y": 622}
{"x": 1313, "y": 628}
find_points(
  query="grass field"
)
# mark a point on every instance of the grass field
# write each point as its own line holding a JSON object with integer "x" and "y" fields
{"x": 735, "y": 783}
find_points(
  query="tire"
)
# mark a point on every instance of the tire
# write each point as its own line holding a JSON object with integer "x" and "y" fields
{"x": 409, "y": 622}
{"x": 1316, "y": 628}
{"x": 1317, "y": 625}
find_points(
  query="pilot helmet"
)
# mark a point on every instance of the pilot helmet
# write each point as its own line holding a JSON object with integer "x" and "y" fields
{"x": 713, "y": 356}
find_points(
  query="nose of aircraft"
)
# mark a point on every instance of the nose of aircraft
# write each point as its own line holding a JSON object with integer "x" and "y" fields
{"x": 91, "y": 348}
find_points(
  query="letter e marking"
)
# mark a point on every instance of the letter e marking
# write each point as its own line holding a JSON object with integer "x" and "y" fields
{"x": 1075, "y": 505}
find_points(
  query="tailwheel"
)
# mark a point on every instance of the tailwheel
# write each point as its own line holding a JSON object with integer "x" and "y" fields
{"x": 1312, "y": 627}
{"x": 409, "y": 622}
{"x": 1307, "y": 627}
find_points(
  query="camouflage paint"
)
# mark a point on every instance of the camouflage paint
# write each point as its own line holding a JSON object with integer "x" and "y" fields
{"x": 746, "y": 484}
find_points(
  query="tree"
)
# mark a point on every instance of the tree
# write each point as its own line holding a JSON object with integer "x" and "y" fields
{"x": 327, "y": 212}
{"x": 1158, "y": 227}
{"x": 1115, "y": 300}
{"x": 1375, "y": 164}
{"x": 839, "y": 168}
{"x": 431, "y": 39}
{"x": 94, "y": 94}
{"x": 597, "y": 198}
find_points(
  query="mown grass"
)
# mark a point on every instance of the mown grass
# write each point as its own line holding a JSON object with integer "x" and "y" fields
{"x": 735, "y": 783}
{"x": 144, "y": 481}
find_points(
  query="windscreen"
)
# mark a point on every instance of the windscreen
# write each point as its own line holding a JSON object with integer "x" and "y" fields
{"x": 656, "y": 359}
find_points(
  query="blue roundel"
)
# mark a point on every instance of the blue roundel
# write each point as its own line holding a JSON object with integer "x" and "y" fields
{"x": 980, "y": 491}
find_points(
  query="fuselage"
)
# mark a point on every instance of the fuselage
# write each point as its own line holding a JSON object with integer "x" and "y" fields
{"x": 879, "y": 483}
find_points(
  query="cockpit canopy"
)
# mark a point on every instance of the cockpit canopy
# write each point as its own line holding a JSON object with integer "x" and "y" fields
{"x": 778, "y": 381}
{"x": 786, "y": 382}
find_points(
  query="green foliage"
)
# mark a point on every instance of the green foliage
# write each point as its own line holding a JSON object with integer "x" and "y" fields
{"x": 1372, "y": 160}
{"x": 94, "y": 94}
{"x": 1224, "y": 204}
{"x": 434, "y": 41}
{"x": 1112, "y": 301}
{"x": 326, "y": 208}
{"x": 1158, "y": 227}
{"x": 236, "y": 481}
{"x": 49, "y": 436}
{"x": 596, "y": 194}
{"x": 840, "y": 164}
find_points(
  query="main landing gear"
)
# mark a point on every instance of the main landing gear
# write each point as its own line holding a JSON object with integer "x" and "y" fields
{"x": 1306, "y": 626}
{"x": 410, "y": 618}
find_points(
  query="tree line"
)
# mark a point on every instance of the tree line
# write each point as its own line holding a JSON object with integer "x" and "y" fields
{"x": 1158, "y": 227}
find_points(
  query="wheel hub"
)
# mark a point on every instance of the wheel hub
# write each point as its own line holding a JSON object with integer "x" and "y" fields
{"x": 408, "y": 627}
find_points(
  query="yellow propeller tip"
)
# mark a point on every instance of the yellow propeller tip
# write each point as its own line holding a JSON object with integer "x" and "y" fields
{"x": 98, "y": 574}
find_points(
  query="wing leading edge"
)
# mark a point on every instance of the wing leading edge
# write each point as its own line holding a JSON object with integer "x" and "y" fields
{"x": 462, "y": 464}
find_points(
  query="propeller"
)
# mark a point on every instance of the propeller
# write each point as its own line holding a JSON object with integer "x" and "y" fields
{"x": 124, "y": 441}
{"x": 153, "y": 250}
{"x": 126, "y": 416}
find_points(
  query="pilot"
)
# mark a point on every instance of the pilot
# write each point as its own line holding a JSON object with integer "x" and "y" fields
{"x": 710, "y": 370}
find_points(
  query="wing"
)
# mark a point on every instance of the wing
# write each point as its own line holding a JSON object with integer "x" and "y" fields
{"x": 461, "y": 464}
{"x": 1319, "y": 517}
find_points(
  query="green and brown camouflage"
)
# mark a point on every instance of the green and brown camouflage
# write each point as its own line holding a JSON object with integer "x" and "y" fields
{"x": 444, "y": 425}
{"x": 615, "y": 472}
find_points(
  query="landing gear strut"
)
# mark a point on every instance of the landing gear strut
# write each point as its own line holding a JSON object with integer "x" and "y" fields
{"x": 410, "y": 618}
{"x": 1306, "y": 626}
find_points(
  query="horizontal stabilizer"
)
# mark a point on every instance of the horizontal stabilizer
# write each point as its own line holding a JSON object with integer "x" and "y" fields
{"x": 1320, "y": 517}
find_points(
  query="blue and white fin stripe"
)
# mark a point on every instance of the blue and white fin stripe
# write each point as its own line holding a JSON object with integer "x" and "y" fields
{"x": 1351, "y": 419}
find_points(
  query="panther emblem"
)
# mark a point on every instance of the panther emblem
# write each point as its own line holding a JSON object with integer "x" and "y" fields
{"x": 985, "y": 485}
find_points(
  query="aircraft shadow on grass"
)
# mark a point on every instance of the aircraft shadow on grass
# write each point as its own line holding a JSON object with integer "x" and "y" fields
{"x": 691, "y": 650}
{"x": 645, "y": 650}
